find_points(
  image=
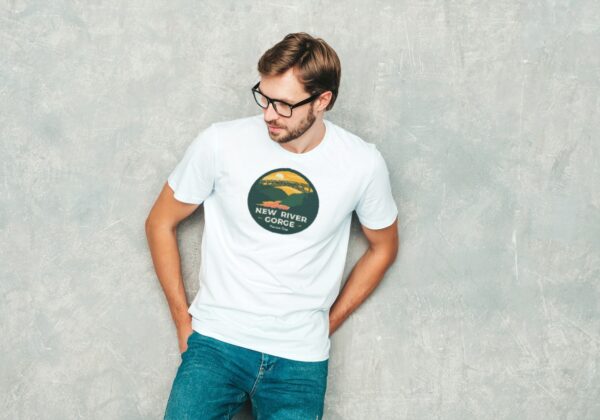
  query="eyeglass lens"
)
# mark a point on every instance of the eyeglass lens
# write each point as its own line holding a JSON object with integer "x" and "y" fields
{"x": 280, "y": 108}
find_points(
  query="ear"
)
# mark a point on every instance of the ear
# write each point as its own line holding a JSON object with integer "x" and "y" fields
{"x": 324, "y": 100}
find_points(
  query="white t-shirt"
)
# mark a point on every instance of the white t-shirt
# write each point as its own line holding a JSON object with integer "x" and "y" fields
{"x": 276, "y": 231}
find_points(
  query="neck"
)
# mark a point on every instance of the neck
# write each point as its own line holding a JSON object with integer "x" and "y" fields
{"x": 309, "y": 140}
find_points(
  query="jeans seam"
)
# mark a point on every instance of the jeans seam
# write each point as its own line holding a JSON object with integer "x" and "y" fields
{"x": 260, "y": 373}
{"x": 241, "y": 401}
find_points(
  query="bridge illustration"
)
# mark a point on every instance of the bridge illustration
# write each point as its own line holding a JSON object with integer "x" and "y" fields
{"x": 305, "y": 188}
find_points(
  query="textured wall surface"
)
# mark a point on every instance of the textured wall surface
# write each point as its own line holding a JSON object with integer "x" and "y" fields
{"x": 486, "y": 112}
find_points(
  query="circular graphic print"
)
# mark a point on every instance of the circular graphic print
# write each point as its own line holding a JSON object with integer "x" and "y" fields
{"x": 283, "y": 201}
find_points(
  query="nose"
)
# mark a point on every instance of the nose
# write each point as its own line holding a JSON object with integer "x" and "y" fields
{"x": 270, "y": 113}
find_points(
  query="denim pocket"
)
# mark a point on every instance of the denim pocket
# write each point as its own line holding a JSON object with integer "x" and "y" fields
{"x": 187, "y": 342}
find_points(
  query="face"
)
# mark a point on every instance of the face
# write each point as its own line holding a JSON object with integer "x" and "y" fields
{"x": 287, "y": 88}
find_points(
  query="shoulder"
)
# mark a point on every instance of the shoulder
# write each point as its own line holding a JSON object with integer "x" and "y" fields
{"x": 355, "y": 147}
{"x": 239, "y": 124}
{"x": 229, "y": 135}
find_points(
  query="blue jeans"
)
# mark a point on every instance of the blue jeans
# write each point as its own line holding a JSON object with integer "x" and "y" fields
{"x": 216, "y": 378}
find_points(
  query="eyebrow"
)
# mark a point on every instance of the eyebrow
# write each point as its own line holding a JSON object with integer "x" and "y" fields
{"x": 289, "y": 101}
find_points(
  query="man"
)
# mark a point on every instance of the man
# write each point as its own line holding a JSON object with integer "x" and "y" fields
{"x": 279, "y": 189}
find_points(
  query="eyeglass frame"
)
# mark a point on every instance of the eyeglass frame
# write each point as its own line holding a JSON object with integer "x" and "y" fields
{"x": 272, "y": 101}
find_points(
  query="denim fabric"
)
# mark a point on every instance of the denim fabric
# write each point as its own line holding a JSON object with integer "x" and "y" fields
{"x": 215, "y": 379}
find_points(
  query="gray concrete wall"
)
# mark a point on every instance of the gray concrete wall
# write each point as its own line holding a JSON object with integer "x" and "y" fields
{"x": 486, "y": 112}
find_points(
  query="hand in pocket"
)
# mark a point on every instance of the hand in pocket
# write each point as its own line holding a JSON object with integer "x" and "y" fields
{"x": 183, "y": 336}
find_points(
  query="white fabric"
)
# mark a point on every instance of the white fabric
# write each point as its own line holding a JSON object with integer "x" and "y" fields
{"x": 273, "y": 253}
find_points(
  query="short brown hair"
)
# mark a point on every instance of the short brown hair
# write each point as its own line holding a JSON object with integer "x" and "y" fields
{"x": 318, "y": 65}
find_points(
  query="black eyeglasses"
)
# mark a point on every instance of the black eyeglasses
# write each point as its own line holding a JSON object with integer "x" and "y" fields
{"x": 281, "y": 107}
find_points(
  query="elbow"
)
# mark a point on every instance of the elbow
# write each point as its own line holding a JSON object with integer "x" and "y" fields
{"x": 152, "y": 224}
{"x": 394, "y": 257}
{"x": 395, "y": 249}
{"x": 391, "y": 255}
{"x": 387, "y": 253}
{"x": 148, "y": 225}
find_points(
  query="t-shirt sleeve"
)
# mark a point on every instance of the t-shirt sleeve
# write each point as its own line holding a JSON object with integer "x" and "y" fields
{"x": 376, "y": 208}
{"x": 193, "y": 178}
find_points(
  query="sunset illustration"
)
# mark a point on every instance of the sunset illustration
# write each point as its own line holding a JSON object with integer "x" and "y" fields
{"x": 287, "y": 180}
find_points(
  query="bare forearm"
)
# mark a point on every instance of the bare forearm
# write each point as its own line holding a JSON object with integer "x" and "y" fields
{"x": 363, "y": 279}
{"x": 162, "y": 241}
